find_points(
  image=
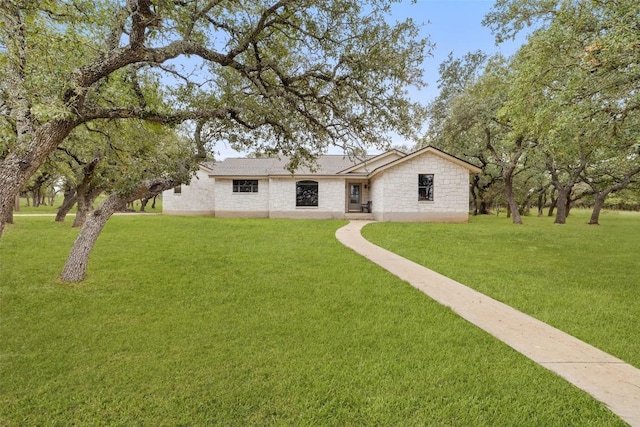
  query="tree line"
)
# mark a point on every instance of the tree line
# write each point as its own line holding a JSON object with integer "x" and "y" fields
{"x": 557, "y": 122}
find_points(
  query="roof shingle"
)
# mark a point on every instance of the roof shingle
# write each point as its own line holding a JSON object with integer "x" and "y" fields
{"x": 326, "y": 165}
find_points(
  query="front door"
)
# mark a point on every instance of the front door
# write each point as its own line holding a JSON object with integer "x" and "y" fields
{"x": 355, "y": 198}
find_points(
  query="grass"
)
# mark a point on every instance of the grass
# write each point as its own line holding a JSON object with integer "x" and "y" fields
{"x": 53, "y": 209}
{"x": 203, "y": 321}
{"x": 582, "y": 279}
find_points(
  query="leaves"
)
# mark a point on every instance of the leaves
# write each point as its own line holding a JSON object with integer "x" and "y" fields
{"x": 565, "y": 106}
{"x": 293, "y": 76}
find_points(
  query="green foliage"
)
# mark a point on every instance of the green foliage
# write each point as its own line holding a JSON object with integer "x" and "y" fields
{"x": 306, "y": 71}
{"x": 289, "y": 77}
{"x": 581, "y": 74}
{"x": 59, "y": 37}
{"x": 248, "y": 322}
{"x": 126, "y": 152}
{"x": 627, "y": 199}
{"x": 474, "y": 119}
{"x": 564, "y": 109}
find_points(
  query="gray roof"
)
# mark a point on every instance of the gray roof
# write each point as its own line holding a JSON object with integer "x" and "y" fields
{"x": 326, "y": 165}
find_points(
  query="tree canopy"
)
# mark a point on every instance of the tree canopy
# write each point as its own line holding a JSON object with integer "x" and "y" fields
{"x": 563, "y": 112}
{"x": 288, "y": 76}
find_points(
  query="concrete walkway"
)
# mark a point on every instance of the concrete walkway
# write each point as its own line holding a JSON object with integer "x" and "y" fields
{"x": 606, "y": 378}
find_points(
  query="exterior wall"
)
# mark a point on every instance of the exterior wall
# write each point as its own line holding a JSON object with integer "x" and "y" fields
{"x": 197, "y": 198}
{"x": 331, "y": 202}
{"x": 243, "y": 205}
{"x": 396, "y": 192}
{"x": 393, "y": 192}
{"x": 376, "y": 195}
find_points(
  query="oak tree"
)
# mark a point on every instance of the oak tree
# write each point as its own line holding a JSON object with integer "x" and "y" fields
{"x": 580, "y": 75}
{"x": 290, "y": 76}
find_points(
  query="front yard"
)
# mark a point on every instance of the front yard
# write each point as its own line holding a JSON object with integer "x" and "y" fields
{"x": 584, "y": 280}
{"x": 202, "y": 321}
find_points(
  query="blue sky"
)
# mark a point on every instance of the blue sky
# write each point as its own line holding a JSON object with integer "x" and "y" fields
{"x": 453, "y": 26}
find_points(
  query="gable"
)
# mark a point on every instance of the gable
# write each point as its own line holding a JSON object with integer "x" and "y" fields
{"x": 427, "y": 151}
{"x": 369, "y": 165}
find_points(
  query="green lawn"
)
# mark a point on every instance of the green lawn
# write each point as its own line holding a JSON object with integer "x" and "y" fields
{"x": 582, "y": 279}
{"x": 53, "y": 209}
{"x": 202, "y": 321}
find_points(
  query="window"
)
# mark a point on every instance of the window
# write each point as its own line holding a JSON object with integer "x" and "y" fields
{"x": 177, "y": 190}
{"x": 245, "y": 185}
{"x": 425, "y": 187}
{"x": 306, "y": 193}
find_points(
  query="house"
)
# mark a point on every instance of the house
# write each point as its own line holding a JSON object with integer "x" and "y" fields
{"x": 426, "y": 185}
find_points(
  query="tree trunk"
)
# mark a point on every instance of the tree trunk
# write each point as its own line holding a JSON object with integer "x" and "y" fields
{"x": 153, "y": 204}
{"x": 36, "y": 198}
{"x": 21, "y": 163}
{"x": 143, "y": 203}
{"x": 7, "y": 215}
{"x": 484, "y": 207}
{"x": 601, "y": 196}
{"x": 561, "y": 205}
{"x": 67, "y": 203}
{"x": 525, "y": 206}
{"x": 88, "y": 199}
{"x": 16, "y": 206}
{"x": 541, "y": 202}
{"x": 598, "y": 203}
{"x": 512, "y": 204}
{"x": 552, "y": 205}
{"x": 474, "y": 201}
{"x": 569, "y": 202}
{"x": 83, "y": 196}
{"x": 83, "y": 209}
{"x": 76, "y": 266}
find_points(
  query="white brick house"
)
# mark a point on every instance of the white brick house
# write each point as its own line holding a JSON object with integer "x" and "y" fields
{"x": 426, "y": 185}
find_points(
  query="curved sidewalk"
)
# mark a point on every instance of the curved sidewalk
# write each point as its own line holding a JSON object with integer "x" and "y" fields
{"x": 606, "y": 378}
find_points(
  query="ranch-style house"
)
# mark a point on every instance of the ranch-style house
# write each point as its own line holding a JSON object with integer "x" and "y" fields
{"x": 427, "y": 185}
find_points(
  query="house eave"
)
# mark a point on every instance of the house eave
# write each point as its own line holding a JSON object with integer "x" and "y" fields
{"x": 428, "y": 149}
{"x": 294, "y": 176}
{"x": 372, "y": 159}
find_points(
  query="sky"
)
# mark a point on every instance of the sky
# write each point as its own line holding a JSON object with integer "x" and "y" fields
{"x": 453, "y": 26}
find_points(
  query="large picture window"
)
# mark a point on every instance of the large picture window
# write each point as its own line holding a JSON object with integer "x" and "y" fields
{"x": 425, "y": 187}
{"x": 306, "y": 193}
{"x": 245, "y": 185}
